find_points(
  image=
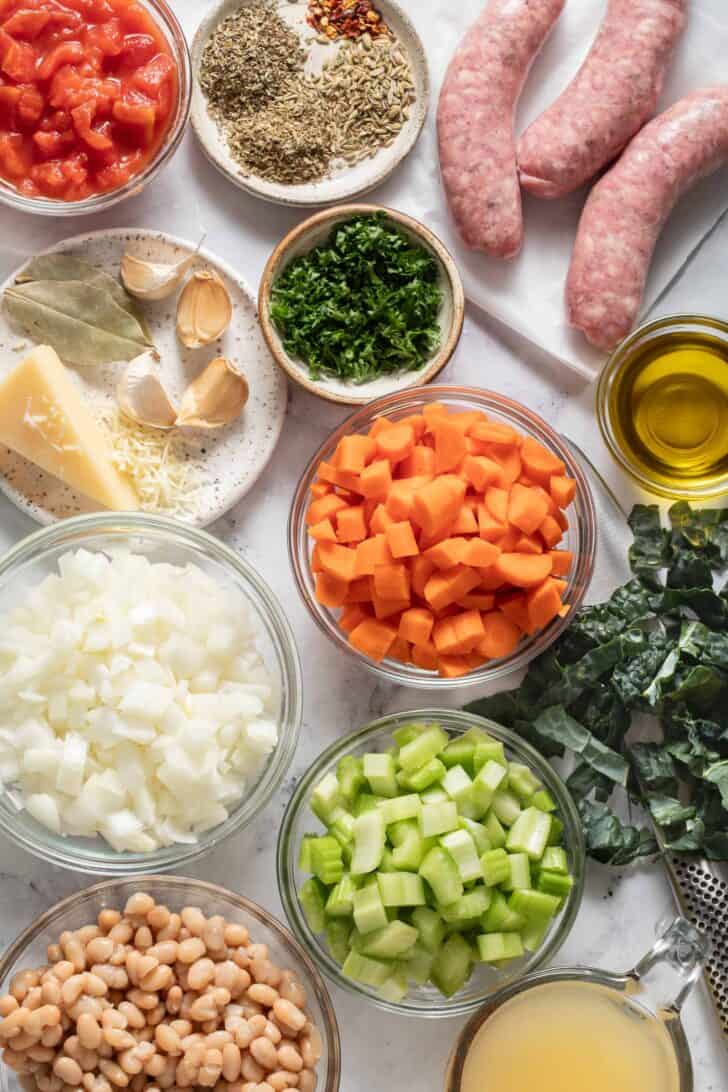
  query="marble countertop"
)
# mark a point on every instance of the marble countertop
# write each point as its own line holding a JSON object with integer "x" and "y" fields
{"x": 621, "y": 909}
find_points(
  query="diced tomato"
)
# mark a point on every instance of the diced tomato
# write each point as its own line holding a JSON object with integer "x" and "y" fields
{"x": 49, "y": 177}
{"x": 8, "y": 102}
{"x": 83, "y": 116}
{"x": 19, "y": 60}
{"x": 138, "y": 114}
{"x": 137, "y": 49}
{"x": 118, "y": 174}
{"x": 151, "y": 77}
{"x": 108, "y": 38}
{"x": 66, "y": 53}
{"x": 26, "y": 23}
{"x": 30, "y": 106}
{"x": 13, "y": 157}
{"x": 53, "y": 143}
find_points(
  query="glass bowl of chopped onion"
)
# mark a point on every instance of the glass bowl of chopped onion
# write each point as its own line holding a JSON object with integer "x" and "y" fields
{"x": 396, "y": 654}
{"x": 150, "y": 690}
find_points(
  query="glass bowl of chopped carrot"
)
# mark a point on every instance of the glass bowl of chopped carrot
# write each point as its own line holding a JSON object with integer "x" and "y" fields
{"x": 443, "y": 536}
{"x": 94, "y": 100}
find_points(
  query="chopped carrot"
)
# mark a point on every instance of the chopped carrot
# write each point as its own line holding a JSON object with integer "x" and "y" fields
{"x": 352, "y": 616}
{"x": 418, "y": 423}
{"x": 481, "y": 472}
{"x": 327, "y": 472}
{"x": 561, "y": 519}
{"x": 324, "y": 508}
{"x": 507, "y": 542}
{"x": 330, "y": 590}
{"x": 380, "y": 424}
{"x": 523, "y": 570}
{"x": 375, "y": 480}
{"x": 316, "y": 566}
{"x": 480, "y": 554}
{"x": 355, "y": 452}
{"x": 550, "y": 532}
{"x": 370, "y": 553}
{"x": 323, "y": 531}
{"x": 319, "y": 489}
{"x": 562, "y": 561}
{"x": 380, "y": 520}
{"x": 445, "y": 637}
{"x": 544, "y": 603}
{"x": 492, "y": 432}
{"x": 416, "y": 624}
{"x": 373, "y": 638}
{"x": 437, "y": 503}
{"x": 476, "y": 601}
{"x": 400, "y": 499}
{"x": 509, "y": 461}
{"x": 469, "y": 629}
{"x": 526, "y": 544}
{"x": 443, "y": 588}
{"x": 527, "y": 509}
{"x": 351, "y": 525}
{"x": 360, "y": 590}
{"x": 466, "y": 420}
{"x": 392, "y": 581}
{"x": 420, "y": 462}
{"x": 538, "y": 462}
{"x": 501, "y": 636}
{"x": 401, "y": 540}
{"x": 450, "y": 447}
{"x": 496, "y": 501}
{"x": 514, "y": 606}
{"x": 389, "y": 608}
{"x": 562, "y": 585}
{"x": 489, "y": 527}
{"x": 424, "y": 655}
{"x": 448, "y": 553}
{"x": 564, "y": 610}
{"x": 401, "y": 651}
{"x": 422, "y": 569}
{"x": 453, "y": 667}
{"x": 562, "y": 489}
{"x": 466, "y": 522}
{"x": 490, "y": 580}
{"x": 433, "y": 411}
{"x": 396, "y": 443}
{"x": 338, "y": 561}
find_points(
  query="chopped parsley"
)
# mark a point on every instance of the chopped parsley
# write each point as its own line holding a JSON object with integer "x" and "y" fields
{"x": 365, "y": 303}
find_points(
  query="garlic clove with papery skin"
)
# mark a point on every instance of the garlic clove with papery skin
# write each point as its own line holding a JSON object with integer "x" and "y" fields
{"x": 142, "y": 396}
{"x": 153, "y": 280}
{"x": 215, "y": 398}
{"x": 204, "y": 310}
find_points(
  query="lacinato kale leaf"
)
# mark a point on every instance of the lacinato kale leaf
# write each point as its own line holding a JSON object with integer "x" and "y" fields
{"x": 363, "y": 303}
{"x": 659, "y": 647}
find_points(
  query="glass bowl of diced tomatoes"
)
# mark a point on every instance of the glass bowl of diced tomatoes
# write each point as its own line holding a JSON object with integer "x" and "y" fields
{"x": 94, "y": 100}
{"x": 443, "y": 536}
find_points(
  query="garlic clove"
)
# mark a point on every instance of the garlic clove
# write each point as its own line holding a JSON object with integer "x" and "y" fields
{"x": 215, "y": 398}
{"x": 204, "y": 310}
{"x": 153, "y": 280}
{"x": 141, "y": 395}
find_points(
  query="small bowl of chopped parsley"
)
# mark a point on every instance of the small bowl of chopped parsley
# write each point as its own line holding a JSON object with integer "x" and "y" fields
{"x": 360, "y": 301}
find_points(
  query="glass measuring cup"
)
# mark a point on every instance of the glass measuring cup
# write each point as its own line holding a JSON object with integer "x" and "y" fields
{"x": 659, "y": 984}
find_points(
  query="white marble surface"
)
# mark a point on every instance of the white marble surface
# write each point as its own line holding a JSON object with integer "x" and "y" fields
{"x": 617, "y": 922}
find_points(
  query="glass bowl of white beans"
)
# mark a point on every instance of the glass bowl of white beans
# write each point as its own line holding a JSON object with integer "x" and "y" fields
{"x": 163, "y": 983}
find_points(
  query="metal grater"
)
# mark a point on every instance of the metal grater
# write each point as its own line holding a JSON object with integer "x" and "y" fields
{"x": 700, "y": 887}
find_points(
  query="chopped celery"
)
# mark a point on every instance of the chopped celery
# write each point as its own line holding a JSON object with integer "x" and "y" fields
{"x": 456, "y": 783}
{"x": 519, "y": 873}
{"x": 397, "y": 985}
{"x": 407, "y": 732}
{"x": 438, "y": 819}
{"x": 326, "y": 860}
{"x": 370, "y": 972}
{"x": 341, "y": 826}
{"x": 461, "y": 848}
{"x": 554, "y": 860}
{"x": 441, "y": 873}
{"x": 459, "y": 752}
{"x": 497, "y": 947}
{"x": 478, "y": 833}
{"x": 340, "y": 903}
{"x": 418, "y": 752}
{"x": 495, "y": 831}
{"x": 487, "y": 781}
{"x": 409, "y": 845}
{"x": 470, "y": 907}
{"x": 495, "y": 867}
{"x": 506, "y": 807}
{"x": 533, "y": 934}
{"x": 557, "y": 829}
{"x": 312, "y": 897}
{"x": 366, "y": 801}
{"x": 489, "y": 751}
{"x": 338, "y": 935}
{"x": 379, "y": 771}
{"x": 543, "y": 800}
{"x": 451, "y": 968}
{"x": 369, "y": 912}
{"x": 434, "y": 795}
{"x": 499, "y": 918}
{"x": 402, "y": 807}
{"x": 369, "y": 839}
{"x": 429, "y": 774}
{"x": 304, "y": 852}
{"x": 387, "y": 863}
{"x": 350, "y": 775}
{"x": 325, "y": 797}
{"x": 391, "y": 942}
{"x": 535, "y": 906}
{"x": 419, "y": 965}
{"x": 430, "y": 927}
{"x": 522, "y": 781}
{"x": 401, "y": 889}
{"x": 554, "y": 883}
{"x": 529, "y": 834}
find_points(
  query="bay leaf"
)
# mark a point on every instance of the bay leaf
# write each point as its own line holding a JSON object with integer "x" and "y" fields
{"x": 67, "y": 267}
{"x": 82, "y": 322}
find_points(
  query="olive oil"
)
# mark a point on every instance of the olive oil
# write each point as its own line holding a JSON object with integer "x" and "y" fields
{"x": 571, "y": 1037}
{"x": 668, "y": 411}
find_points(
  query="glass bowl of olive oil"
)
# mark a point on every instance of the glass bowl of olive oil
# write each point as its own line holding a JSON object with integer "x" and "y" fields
{"x": 662, "y": 404}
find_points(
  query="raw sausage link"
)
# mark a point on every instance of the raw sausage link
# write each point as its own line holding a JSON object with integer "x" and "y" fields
{"x": 627, "y": 209}
{"x": 611, "y": 97}
{"x": 475, "y": 121}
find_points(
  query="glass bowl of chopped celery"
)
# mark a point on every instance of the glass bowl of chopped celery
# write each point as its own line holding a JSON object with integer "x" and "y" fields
{"x": 151, "y": 693}
{"x": 429, "y": 860}
{"x": 358, "y": 520}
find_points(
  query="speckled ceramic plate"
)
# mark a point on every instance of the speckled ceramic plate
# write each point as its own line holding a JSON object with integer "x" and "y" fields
{"x": 344, "y": 182}
{"x": 230, "y": 459}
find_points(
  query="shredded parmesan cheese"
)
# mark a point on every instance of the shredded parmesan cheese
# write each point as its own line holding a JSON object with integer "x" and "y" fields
{"x": 159, "y": 464}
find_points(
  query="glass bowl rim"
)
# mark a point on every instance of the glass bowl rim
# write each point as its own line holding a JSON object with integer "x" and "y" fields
{"x": 641, "y": 338}
{"x": 275, "y": 621}
{"x": 332, "y": 1037}
{"x": 453, "y": 720}
{"x": 100, "y": 202}
{"x": 405, "y": 674}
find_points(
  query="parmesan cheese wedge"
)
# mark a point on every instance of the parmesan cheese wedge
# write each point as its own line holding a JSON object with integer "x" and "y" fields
{"x": 43, "y": 418}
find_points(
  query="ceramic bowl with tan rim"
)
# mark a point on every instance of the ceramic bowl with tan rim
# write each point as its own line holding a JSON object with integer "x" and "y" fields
{"x": 315, "y": 231}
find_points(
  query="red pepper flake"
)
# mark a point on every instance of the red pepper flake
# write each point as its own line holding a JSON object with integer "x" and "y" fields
{"x": 345, "y": 18}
